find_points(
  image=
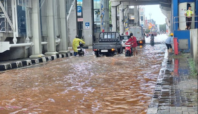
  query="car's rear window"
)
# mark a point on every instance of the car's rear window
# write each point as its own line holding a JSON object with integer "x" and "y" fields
{"x": 109, "y": 36}
{"x": 126, "y": 37}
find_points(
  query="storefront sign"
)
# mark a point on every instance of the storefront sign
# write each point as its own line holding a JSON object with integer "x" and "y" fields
{"x": 80, "y": 19}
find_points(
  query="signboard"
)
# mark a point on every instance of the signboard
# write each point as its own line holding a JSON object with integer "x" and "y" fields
{"x": 87, "y": 25}
{"x": 80, "y": 19}
{"x": 79, "y": 10}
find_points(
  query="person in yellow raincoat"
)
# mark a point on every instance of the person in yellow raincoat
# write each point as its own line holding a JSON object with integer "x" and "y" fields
{"x": 75, "y": 45}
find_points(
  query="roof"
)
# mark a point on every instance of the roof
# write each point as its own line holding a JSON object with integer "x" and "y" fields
{"x": 164, "y": 3}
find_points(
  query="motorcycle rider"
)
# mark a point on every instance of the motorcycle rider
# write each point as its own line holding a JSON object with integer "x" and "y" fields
{"x": 133, "y": 41}
{"x": 75, "y": 44}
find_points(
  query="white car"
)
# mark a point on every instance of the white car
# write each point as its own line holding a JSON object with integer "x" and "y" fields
{"x": 124, "y": 40}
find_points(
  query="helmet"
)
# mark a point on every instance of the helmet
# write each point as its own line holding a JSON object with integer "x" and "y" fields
{"x": 172, "y": 34}
{"x": 131, "y": 34}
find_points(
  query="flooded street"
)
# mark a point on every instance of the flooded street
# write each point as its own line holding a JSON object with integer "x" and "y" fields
{"x": 84, "y": 85}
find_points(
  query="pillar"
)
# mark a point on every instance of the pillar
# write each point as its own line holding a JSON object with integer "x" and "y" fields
{"x": 51, "y": 46}
{"x": 171, "y": 20}
{"x": 121, "y": 20}
{"x": 175, "y": 14}
{"x": 126, "y": 20}
{"x": 28, "y": 25}
{"x": 104, "y": 15}
{"x": 88, "y": 22}
{"x": 36, "y": 30}
{"x": 63, "y": 25}
{"x": 114, "y": 18}
{"x": 136, "y": 16}
{"x": 56, "y": 17}
{"x": 196, "y": 19}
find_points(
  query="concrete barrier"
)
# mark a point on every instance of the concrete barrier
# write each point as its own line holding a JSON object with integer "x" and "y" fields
{"x": 194, "y": 45}
{"x": 21, "y": 63}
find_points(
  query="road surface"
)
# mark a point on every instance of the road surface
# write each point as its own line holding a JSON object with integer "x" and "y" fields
{"x": 84, "y": 85}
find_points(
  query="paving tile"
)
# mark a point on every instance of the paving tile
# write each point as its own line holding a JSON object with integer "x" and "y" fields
{"x": 172, "y": 113}
{"x": 185, "y": 113}
{"x": 152, "y": 110}
{"x": 184, "y": 109}
{"x": 178, "y": 112}
{"x": 176, "y": 92}
{"x": 192, "y": 112}
{"x": 178, "y": 108}
{"x": 163, "y": 112}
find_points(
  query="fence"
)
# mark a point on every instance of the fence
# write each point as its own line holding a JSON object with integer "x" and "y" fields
{"x": 180, "y": 22}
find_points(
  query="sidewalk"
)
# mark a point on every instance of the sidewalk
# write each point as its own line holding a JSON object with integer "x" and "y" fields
{"x": 176, "y": 88}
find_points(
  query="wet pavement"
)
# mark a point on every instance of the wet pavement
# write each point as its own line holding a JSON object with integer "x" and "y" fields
{"x": 84, "y": 85}
{"x": 176, "y": 88}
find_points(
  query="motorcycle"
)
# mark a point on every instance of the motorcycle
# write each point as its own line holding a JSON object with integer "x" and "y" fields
{"x": 128, "y": 50}
{"x": 81, "y": 50}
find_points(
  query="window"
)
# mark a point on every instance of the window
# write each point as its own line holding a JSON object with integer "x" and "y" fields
{"x": 97, "y": 22}
{"x": 29, "y": 3}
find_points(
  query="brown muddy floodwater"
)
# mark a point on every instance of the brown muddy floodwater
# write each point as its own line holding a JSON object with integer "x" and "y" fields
{"x": 83, "y": 85}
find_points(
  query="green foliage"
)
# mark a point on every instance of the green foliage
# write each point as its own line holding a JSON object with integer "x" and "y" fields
{"x": 163, "y": 27}
{"x": 147, "y": 31}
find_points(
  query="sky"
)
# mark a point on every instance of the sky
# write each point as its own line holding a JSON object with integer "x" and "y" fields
{"x": 156, "y": 12}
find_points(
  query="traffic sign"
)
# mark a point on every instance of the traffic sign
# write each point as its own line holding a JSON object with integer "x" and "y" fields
{"x": 87, "y": 25}
{"x": 79, "y": 10}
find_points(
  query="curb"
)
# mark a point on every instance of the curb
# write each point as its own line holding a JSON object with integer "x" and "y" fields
{"x": 29, "y": 62}
{"x": 159, "y": 88}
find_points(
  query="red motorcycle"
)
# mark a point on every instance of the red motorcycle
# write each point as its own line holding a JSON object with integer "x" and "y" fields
{"x": 128, "y": 50}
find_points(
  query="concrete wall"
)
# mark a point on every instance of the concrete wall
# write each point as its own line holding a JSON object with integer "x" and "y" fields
{"x": 194, "y": 45}
{"x": 72, "y": 27}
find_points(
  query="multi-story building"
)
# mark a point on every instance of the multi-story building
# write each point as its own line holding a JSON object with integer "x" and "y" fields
{"x": 142, "y": 16}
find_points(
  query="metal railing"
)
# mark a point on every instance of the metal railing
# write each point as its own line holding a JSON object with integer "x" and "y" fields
{"x": 180, "y": 22}
{"x": 69, "y": 5}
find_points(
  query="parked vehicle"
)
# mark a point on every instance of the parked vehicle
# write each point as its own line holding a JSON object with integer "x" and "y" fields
{"x": 138, "y": 32}
{"x": 128, "y": 51}
{"x": 124, "y": 40}
{"x": 109, "y": 44}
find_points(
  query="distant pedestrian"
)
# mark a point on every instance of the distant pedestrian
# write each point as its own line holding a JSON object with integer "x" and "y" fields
{"x": 169, "y": 42}
{"x": 152, "y": 39}
{"x": 188, "y": 14}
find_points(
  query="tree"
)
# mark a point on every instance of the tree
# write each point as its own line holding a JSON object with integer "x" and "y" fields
{"x": 163, "y": 27}
{"x": 147, "y": 31}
